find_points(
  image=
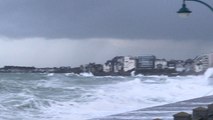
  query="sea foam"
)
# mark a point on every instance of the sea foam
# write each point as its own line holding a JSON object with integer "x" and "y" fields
{"x": 63, "y": 96}
{"x": 87, "y": 74}
{"x": 140, "y": 92}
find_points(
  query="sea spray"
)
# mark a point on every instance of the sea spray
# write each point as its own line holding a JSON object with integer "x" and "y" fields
{"x": 133, "y": 73}
{"x": 85, "y": 74}
{"x": 69, "y": 96}
{"x": 208, "y": 73}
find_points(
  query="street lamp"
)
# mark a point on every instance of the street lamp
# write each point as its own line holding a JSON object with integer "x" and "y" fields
{"x": 185, "y": 12}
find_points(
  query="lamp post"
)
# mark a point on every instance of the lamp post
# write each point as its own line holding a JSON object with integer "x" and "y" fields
{"x": 185, "y": 12}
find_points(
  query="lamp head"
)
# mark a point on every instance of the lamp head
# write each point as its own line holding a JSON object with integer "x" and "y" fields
{"x": 184, "y": 11}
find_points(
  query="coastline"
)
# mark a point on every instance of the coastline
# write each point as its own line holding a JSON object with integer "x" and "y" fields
{"x": 133, "y": 72}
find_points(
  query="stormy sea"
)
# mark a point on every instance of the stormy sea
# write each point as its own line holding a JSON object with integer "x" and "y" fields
{"x": 35, "y": 96}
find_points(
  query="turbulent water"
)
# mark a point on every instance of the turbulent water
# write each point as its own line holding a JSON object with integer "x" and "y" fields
{"x": 30, "y": 96}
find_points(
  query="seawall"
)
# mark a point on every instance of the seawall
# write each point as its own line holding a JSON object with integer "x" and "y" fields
{"x": 164, "y": 112}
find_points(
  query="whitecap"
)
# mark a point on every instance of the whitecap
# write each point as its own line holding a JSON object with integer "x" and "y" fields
{"x": 87, "y": 74}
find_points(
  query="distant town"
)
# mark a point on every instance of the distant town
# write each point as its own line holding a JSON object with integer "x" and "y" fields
{"x": 129, "y": 65}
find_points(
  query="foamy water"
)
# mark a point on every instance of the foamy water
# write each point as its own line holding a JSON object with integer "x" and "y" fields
{"x": 81, "y": 97}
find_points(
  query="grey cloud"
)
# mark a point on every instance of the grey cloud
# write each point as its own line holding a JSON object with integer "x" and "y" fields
{"x": 126, "y": 19}
{"x": 41, "y": 52}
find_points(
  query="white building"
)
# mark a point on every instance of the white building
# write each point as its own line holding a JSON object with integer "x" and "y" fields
{"x": 160, "y": 64}
{"x": 129, "y": 63}
{"x": 203, "y": 62}
{"x": 106, "y": 68}
{"x": 198, "y": 68}
{"x": 180, "y": 66}
{"x": 120, "y": 64}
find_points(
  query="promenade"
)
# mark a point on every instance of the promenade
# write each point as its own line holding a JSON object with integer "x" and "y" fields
{"x": 164, "y": 112}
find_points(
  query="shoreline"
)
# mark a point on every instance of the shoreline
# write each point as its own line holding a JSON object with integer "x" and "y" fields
{"x": 114, "y": 74}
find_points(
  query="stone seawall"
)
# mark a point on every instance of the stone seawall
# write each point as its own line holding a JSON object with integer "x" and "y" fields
{"x": 164, "y": 112}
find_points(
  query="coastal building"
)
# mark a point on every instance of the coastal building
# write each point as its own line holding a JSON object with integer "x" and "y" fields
{"x": 145, "y": 62}
{"x": 160, "y": 64}
{"x": 63, "y": 69}
{"x": 171, "y": 64}
{"x": 108, "y": 66}
{"x": 203, "y": 62}
{"x": 198, "y": 67}
{"x": 180, "y": 66}
{"x": 83, "y": 68}
{"x": 92, "y": 67}
{"x": 45, "y": 70}
{"x": 189, "y": 65}
{"x": 118, "y": 64}
{"x": 129, "y": 63}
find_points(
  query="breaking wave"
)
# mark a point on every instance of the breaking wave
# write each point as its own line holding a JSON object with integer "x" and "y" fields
{"x": 69, "y": 96}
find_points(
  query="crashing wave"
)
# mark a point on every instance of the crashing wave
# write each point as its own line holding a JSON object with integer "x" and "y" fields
{"x": 86, "y": 74}
{"x": 71, "y": 74}
{"x": 50, "y": 74}
{"x": 209, "y": 73}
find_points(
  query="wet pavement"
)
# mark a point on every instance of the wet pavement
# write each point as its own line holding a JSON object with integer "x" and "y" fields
{"x": 164, "y": 112}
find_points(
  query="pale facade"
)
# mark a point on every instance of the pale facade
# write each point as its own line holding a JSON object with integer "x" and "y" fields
{"x": 106, "y": 68}
{"x": 203, "y": 62}
{"x": 129, "y": 63}
{"x": 160, "y": 64}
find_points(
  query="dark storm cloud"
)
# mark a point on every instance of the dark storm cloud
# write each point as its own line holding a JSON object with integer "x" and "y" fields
{"x": 126, "y": 19}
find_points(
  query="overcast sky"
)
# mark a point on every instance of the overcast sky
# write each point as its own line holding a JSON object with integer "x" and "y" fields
{"x": 47, "y": 33}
